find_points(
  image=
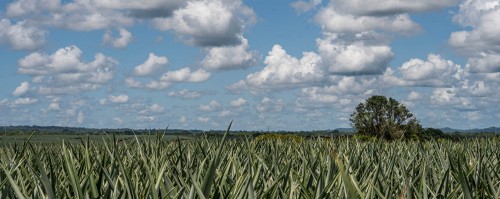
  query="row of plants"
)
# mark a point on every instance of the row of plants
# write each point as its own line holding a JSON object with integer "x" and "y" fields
{"x": 246, "y": 167}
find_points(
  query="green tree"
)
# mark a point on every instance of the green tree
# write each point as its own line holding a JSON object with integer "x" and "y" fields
{"x": 384, "y": 118}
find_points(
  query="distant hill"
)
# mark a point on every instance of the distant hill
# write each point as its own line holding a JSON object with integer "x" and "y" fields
{"x": 446, "y": 130}
{"x": 476, "y": 130}
{"x": 345, "y": 130}
{"x": 82, "y": 130}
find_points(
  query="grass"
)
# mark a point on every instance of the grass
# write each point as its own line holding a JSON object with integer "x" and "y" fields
{"x": 244, "y": 167}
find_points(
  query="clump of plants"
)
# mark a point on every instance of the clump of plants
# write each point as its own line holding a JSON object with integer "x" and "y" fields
{"x": 385, "y": 118}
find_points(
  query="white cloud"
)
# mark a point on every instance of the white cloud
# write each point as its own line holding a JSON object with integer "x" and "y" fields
{"x": 209, "y": 23}
{"x": 485, "y": 63}
{"x": 356, "y": 58}
{"x": 144, "y": 9}
{"x": 151, "y": 85}
{"x": 203, "y": 119}
{"x": 151, "y": 66}
{"x": 119, "y": 99}
{"x": 381, "y": 7}
{"x": 211, "y": 106}
{"x": 334, "y": 21}
{"x": 54, "y": 106}
{"x": 157, "y": 85}
{"x": 412, "y": 96}
{"x": 183, "y": 120}
{"x": 238, "y": 102}
{"x": 133, "y": 83}
{"x": 4, "y": 102}
{"x": 185, "y": 94}
{"x": 435, "y": 72}
{"x": 83, "y": 15}
{"x": 23, "y": 7}
{"x": 145, "y": 118}
{"x": 103, "y": 101}
{"x": 268, "y": 105}
{"x": 230, "y": 57}
{"x": 22, "y": 89}
{"x": 185, "y": 75}
{"x": 156, "y": 108}
{"x": 121, "y": 41}
{"x": 20, "y": 36}
{"x": 225, "y": 113}
{"x": 64, "y": 71}
{"x": 25, "y": 101}
{"x": 480, "y": 42}
{"x": 118, "y": 120}
{"x": 284, "y": 71}
{"x": 341, "y": 90}
{"x": 477, "y": 88}
{"x": 80, "y": 118}
{"x": 304, "y": 6}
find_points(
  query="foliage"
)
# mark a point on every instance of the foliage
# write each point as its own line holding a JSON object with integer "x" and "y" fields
{"x": 432, "y": 133}
{"x": 211, "y": 167}
{"x": 384, "y": 118}
{"x": 282, "y": 137}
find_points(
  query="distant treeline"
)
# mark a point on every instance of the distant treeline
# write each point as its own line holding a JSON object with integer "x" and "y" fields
{"x": 340, "y": 132}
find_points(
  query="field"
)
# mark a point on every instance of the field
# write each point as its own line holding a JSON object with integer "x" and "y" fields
{"x": 269, "y": 166}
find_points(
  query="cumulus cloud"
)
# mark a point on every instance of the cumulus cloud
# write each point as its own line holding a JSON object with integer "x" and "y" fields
{"x": 412, "y": 96}
{"x": 209, "y": 23}
{"x": 119, "y": 42}
{"x": 145, "y": 118}
{"x": 211, "y": 106}
{"x": 118, "y": 99}
{"x": 444, "y": 96}
{"x": 230, "y": 57}
{"x": 304, "y": 6}
{"x": 434, "y": 72}
{"x": 480, "y": 43}
{"x": 341, "y": 90}
{"x": 381, "y": 8}
{"x": 167, "y": 79}
{"x": 284, "y": 71}
{"x": 268, "y": 105}
{"x": 80, "y": 15}
{"x": 186, "y": 75}
{"x": 21, "y": 36}
{"x": 153, "y": 109}
{"x": 185, "y": 94}
{"x": 478, "y": 88}
{"x": 23, "y": 7}
{"x": 151, "y": 66}
{"x": 334, "y": 21}
{"x": 203, "y": 119}
{"x": 118, "y": 120}
{"x": 238, "y": 102}
{"x": 22, "y": 89}
{"x": 80, "y": 118}
{"x": 65, "y": 72}
{"x": 151, "y": 85}
{"x": 485, "y": 63}
{"x": 353, "y": 58}
{"x": 183, "y": 120}
{"x": 144, "y": 9}
{"x": 25, "y": 101}
{"x": 54, "y": 106}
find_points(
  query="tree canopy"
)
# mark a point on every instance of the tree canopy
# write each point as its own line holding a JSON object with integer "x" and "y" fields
{"x": 384, "y": 118}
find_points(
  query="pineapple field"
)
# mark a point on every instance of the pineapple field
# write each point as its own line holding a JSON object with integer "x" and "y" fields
{"x": 248, "y": 167}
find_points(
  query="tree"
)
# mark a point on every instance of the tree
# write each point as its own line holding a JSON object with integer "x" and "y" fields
{"x": 384, "y": 118}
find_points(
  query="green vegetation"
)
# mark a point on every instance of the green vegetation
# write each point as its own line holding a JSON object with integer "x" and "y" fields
{"x": 269, "y": 166}
{"x": 385, "y": 118}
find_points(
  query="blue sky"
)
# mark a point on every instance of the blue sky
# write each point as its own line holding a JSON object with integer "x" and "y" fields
{"x": 286, "y": 65}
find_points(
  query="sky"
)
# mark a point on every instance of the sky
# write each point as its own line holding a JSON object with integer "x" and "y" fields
{"x": 278, "y": 65}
